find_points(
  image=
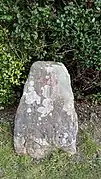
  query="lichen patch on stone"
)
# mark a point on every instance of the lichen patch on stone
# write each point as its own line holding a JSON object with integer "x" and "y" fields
{"x": 49, "y": 69}
{"x": 46, "y": 108}
{"x": 32, "y": 97}
{"x": 39, "y": 118}
{"x": 29, "y": 110}
{"x": 31, "y": 83}
{"x": 46, "y": 91}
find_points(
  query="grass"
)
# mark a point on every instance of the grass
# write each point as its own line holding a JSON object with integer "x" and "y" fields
{"x": 84, "y": 165}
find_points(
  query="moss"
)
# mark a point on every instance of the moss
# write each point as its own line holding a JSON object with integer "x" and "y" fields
{"x": 59, "y": 165}
{"x": 87, "y": 145}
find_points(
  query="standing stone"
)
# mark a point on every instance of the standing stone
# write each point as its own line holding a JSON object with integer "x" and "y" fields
{"x": 46, "y": 117}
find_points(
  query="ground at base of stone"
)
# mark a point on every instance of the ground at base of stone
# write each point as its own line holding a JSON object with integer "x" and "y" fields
{"x": 85, "y": 164}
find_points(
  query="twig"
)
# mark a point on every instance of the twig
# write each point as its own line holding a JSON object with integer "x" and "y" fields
{"x": 66, "y": 51}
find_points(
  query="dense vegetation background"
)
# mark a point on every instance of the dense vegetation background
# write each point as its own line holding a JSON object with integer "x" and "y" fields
{"x": 67, "y": 31}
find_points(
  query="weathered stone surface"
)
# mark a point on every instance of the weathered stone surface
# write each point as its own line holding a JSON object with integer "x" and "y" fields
{"x": 46, "y": 116}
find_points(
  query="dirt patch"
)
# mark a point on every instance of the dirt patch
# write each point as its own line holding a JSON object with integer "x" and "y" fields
{"x": 8, "y": 113}
{"x": 87, "y": 111}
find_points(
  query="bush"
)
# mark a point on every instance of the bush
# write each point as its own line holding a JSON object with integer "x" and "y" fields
{"x": 85, "y": 35}
{"x": 69, "y": 33}
{"x": 11, "y": 69}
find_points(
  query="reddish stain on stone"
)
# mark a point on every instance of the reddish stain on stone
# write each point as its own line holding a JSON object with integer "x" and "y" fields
{"x": 52, "y": 81}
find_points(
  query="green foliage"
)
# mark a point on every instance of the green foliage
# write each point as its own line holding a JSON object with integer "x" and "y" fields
{"x": 82, "y": 29}
{"x": 46, "y": 35}
{"x": 42, "y": 31}
{"x": 11, "y": 69}
{"x": 95, "y": 98}
{"x": 88, "y": 146}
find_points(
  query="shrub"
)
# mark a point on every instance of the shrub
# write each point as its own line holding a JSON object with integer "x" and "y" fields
{"x": 47, "y": 35}
{"x": 11, "y": 69}
{"x": 69, "y": 33}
